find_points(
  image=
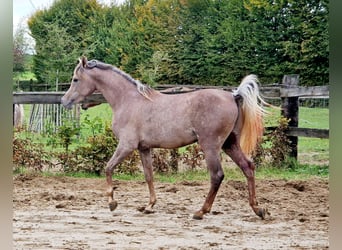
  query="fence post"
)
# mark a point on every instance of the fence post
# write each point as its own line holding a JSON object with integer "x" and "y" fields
{"x": 13, "y": 114}
{"x": 289, "y": 110}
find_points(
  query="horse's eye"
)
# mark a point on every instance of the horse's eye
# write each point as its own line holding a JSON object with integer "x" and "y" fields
{"x": 75, "y": 80}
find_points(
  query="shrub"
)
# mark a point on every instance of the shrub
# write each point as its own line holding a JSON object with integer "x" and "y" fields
{"x": 193, "y": 156}
{"x": 66, "y": 132}
{"x": 274, "y": 149}
{"x": 93, "y": 157}
{"x": 29, "y": 155}
{"x": 165, "y": 160}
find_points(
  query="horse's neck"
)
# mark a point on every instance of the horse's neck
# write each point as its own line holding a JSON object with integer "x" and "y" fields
{"x": 118, "y": 93}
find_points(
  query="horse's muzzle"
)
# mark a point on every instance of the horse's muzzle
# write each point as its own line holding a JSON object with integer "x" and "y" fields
{"x": 67, "y": 103}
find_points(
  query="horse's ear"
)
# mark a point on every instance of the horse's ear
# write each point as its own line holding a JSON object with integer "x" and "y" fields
{"x": 83, "y": 60}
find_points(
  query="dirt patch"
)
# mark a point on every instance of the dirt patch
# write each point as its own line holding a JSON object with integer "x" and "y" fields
{"x": 70, "y": 213}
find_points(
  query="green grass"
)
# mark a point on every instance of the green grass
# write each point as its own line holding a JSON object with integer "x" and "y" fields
{"x": 310, "y": 149}
{"x": 308, "y": 117}
{"x": 299, "y": 172}
{"x": 314, "y": 118}
{"x": 313, "y": 149}
{"x": 95, "y": 117}
{"x": 103, "y": 111}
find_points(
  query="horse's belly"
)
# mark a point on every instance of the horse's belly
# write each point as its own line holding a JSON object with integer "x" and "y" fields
{"x": 170, "y": 138}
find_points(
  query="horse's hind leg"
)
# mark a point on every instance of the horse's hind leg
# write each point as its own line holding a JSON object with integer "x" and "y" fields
{"x": 146, "y": 159}
{"x": 232, "y": 148}
{"x": 216, "y": 176}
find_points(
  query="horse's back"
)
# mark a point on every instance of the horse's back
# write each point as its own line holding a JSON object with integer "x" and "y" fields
{"x": 203, "y": 113}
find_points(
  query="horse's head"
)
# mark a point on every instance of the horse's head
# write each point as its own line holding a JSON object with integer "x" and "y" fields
{"x": 82, "y": 85}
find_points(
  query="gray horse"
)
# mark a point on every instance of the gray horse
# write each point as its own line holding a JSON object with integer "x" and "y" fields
{"x": 146, "y": 119}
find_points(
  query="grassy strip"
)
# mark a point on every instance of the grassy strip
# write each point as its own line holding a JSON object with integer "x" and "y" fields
{"x": 299, "y": 172}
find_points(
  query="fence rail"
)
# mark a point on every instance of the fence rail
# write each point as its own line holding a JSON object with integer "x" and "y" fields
{"x": 42, "y": 97}
{"x": 49, "y": 98}
{"x": 305, "y": 132}
{"x": 289, "y": 93}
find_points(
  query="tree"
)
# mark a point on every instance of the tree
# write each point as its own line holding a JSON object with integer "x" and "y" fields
{"x": 291, "y": 37}
{"x": 186, "y": 41}
{"x": 137, "y": 37}
{"x": 20, "y": 48}
{"x": 61, "y": 36}
{"x": 56, "y": 55}
{"x": 195, "y": 51}
{"x": 311, "y": 53}
{"x": 214, "y": 45}
{"x": 157, "y": 23}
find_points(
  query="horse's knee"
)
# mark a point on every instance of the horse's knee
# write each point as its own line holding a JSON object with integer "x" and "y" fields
{"x": 217, "y": 178}
{"x": 220, "y": 176}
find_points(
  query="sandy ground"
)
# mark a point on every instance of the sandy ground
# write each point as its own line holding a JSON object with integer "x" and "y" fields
{"x": 70, "y": 213}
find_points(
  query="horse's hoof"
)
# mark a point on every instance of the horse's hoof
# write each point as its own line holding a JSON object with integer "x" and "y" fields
{"x": 262, "y": 213}
{"x": 198, "y": 215}
{"x": 148, "y": 211}
{"x": 112, "y": 205}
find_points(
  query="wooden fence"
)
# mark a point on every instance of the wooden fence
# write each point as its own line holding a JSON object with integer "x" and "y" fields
{"x": 288, "y": 92}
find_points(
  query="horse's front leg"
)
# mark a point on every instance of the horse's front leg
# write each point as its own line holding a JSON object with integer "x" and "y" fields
{"x": 119, "y": 155}
{"x": 146, "y": 159}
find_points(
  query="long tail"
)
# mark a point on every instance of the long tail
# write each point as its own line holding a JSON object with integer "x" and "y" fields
{"x": 252, "y": 113}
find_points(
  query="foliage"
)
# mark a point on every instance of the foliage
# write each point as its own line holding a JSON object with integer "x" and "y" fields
{"x": 275, "y": 148}
{"x": 22, "y": 46}
{"x": 93, "y": 157}
{"x": 160, "y": 163}
{"x": 50, "y": 65}
{"x": 186, "y": 41}
{"x": 60, "y": 33}
{"x": 292, "y": 38}
{"x": 193, "y": 156}
{"x": 65, "y": 134}
{"x": 165, "y": 160}
{"x": 29, "y": 155}
{"x": 95, "y": 125}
